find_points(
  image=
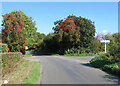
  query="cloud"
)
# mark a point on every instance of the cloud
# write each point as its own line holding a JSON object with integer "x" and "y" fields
{"x": 104, "y": 31}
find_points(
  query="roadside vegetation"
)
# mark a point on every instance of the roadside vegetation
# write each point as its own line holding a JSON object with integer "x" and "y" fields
{"x": 110, "y": 61}
{"x": 103, "y": 62}
{"x": 27, "y": 55}
{"x": 18, "y": 32}
{"x": 14, "y": 67}
{"x": 34, "y": 76}
{"x": 24, "y": 73}
{"x": 72, "y": 35}
{"x": 74, "y": 54}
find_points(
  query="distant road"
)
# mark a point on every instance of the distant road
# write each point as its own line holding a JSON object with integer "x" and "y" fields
{"x": 71, "y": 70}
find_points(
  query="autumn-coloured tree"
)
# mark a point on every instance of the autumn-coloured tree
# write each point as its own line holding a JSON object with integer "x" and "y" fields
{"x": 68, "y": 33}
{"x": 29, "y": 30}
{"x": 75, "y": 32}
{"x": 12, "y": 34}
{"x": 87, "y": 30}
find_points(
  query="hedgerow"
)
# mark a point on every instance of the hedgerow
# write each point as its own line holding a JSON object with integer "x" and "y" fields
{"x": 3, "y": 47}
{"x": 9, "y": 61}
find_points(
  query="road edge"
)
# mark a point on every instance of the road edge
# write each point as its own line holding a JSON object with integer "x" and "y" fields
{"x": 40, "y": 78}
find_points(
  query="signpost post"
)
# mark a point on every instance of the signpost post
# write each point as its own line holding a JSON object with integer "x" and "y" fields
{"x": 105, "y": 42}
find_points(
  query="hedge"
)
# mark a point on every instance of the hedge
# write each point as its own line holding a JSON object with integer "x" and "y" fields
{"x": 3, "y": 47}
{"x": 9, "y": 60}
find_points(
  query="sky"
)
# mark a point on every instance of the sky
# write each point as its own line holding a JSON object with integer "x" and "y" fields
{"x": 104, "y": 14}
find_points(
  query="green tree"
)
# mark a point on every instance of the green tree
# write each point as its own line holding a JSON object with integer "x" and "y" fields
{"x": 37, "y": 43}
{"x": 115, "y": 46}
{"x": 95, "y": 46}
{"x": 40, "y": 36}
{"x": 48, "y": 45}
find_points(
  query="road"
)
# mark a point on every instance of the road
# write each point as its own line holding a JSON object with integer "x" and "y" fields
{"x": 71, "y": 70}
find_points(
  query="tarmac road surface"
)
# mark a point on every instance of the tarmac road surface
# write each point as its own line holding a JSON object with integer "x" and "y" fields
{"x": 71, "y": 70}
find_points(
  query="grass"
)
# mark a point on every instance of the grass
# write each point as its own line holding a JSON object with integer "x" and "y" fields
{"x": 23, "y": 72}
{"x": 27, "y": 55}
{"x": 56, "y": 55}
{"x": 33, "y": 77}
{"x": 74, "y": 54}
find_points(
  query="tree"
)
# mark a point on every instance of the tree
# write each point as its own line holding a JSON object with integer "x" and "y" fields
{"x": 115, "y": 46}
{"x": 12, "y": 34}
{"x": 95, "y": 46}
{"x": 48, "y": 45}
{"x": 87, "y": 30}
{"x": 68, "y": 32}
{"x": 38, "y": 40}
{"x": 29, "y": 30}
{"x": 40, "y": 36}
{"x": 75, "y": 32}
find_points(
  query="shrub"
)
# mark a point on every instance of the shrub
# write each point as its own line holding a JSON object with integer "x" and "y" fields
{"x": 3, "y": 48}
{"x": 108, "y": 67}
{"x": 79, "y": 50}
{"x": 106, "y": 63}
{"x": 113, "y": 68}
{"x": 9, "y": 60}
{"x": 100, "y": 61}
{"x": 116, "y": 69}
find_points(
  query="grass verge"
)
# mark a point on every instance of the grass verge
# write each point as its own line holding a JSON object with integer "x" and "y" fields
{"x": 33, "y": 77}
{"x": 27, "y": 55}
{"x": 22, "y": 72}
{"x": 74, "y": 54}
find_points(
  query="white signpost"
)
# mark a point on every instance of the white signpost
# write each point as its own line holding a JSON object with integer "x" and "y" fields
{"x": 105, "y": 42}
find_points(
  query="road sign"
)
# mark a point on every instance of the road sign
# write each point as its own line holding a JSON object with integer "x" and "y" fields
{"x": 105, "y": 42}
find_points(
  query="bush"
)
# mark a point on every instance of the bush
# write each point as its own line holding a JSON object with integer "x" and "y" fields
{"x": 9, "y": 60}
{"x": 113, "y": 68}
{"x": 108, "y": 67}
{"x": 116, "y": 69}
{"x": 3, "y": 48}
{"x": 98, "y": 63}
{"x": 79, "y": 50}
{"x": 106, "y": 63}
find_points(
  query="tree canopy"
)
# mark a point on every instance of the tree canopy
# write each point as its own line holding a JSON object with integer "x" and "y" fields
{"x": 29, "y": 30}
{"x": 12, "y": 34}
{"x": 74, "y": 32}
{"x": 19, "y": 31}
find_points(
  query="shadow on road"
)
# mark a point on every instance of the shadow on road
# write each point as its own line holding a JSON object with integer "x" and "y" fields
{"x": 108, "y": 76}
{"x": 86, "y": 64}
{"x": 35, "y": 54}
{"x": 112, "y": 78}
{"x": 119, "y": 81}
